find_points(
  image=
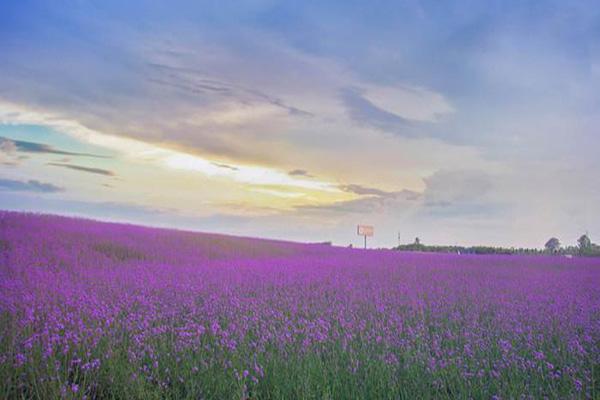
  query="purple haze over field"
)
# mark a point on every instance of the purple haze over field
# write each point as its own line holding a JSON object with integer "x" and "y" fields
{"x": 91, "y": 308}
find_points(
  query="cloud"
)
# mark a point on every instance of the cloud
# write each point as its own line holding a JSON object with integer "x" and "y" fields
{"x": 479, "y": 210}
{"x": 193, "y": 81}
{"x": 362, "y": 111}
{"x": 29, "y": 186}
{"x": 210, "y": 95}
{"x": 372, "y": 200}
{"x": 8, "y": 152}
{"x": 380, "y": 203}
{"x": 299, "y": 172}
{"x": 448, "y": 186}
{"x": 410, "y": 103}
{"x": 404, "y": 111}
{"x": 462, "y": 193}
{"x": 33, "y": 147}
{"x": 364, "y": 190}
{"x": 226, "y": 166}
{"x": 96, "y": 209}
{"x": 124, "y": 212}
{"x": 98, "y": 171}
{"x": 7, "y": 146}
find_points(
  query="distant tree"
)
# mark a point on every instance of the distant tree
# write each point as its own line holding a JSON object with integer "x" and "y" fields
{"x": 584, "y": 243}
{"x": 552, "y": 245}
{"x": 417, "y": 241}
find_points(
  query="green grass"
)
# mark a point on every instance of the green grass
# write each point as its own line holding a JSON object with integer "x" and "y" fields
{"x": 323, "y": 372}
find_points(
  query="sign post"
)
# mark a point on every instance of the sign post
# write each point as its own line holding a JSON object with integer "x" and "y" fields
{"x": 364, "y": 230}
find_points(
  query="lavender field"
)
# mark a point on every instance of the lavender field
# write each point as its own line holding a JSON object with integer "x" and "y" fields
{"x": 95, "y": 310}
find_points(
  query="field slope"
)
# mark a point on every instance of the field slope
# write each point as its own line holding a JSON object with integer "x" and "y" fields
{"x": 110, "y": 311}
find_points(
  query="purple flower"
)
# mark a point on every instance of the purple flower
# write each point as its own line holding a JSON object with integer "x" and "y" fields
{"x": 91, "y": 293}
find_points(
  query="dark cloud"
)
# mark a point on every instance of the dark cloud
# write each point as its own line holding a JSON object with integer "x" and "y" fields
{"x": 363, "y": 112}
{"x": 226, "y": 166}
{"x": 29, "y": 186}
{"x": 300, "y": 172}
{"x": 34, "y": 147}
{"x": 364, "y": 190}
{"x": 90, "y": 170}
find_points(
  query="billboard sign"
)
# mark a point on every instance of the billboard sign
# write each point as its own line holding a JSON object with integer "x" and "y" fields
{"x": 364, "y": 230}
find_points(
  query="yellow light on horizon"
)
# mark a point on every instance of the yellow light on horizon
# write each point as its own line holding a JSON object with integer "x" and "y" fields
{"x": 244, "y": 173}
{"x": 275, "y": 183}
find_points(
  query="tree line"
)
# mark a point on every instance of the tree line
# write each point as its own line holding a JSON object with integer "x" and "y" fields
{"x": 584, "y": 247}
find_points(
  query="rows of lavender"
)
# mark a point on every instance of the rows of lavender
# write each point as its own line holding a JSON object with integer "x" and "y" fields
{"x": 95, "y": 310}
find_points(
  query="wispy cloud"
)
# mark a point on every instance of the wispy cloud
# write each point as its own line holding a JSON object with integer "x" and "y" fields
{"x": 161, "y": 156}
{"x": 91, "y": 170}
{"x": 383, "y": 202}
{"x": 193, "y": 81}
{"x": 29, "y": 186}
{"x": 226, "y": 166}
{"x": 34, "y": 147}
{"x": 364, "y": 190}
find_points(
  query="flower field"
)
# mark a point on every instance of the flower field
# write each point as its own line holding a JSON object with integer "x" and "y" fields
{"x": 109, "y": 311}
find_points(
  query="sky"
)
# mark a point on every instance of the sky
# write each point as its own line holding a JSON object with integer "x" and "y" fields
{"x": 464, "y": 122}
